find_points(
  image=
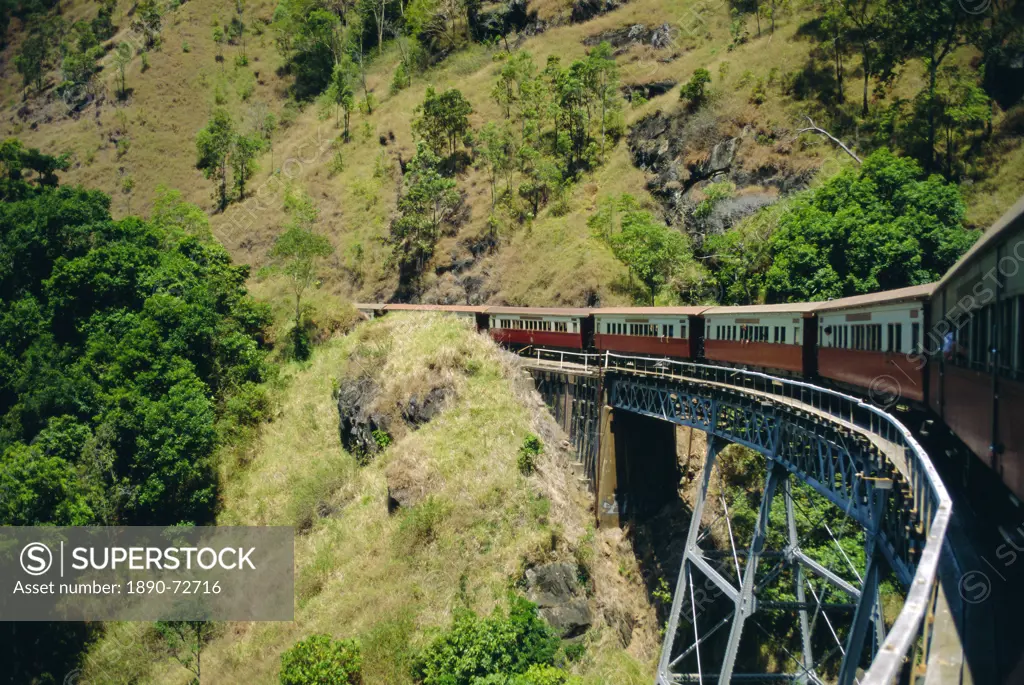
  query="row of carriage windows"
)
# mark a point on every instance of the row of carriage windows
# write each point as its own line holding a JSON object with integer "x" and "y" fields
{"x": 750, "y": 333}
{"x": 652, "y": 330}
{"x": 871, "y": 337}
{"x": 536, "y": 325}
{"x": 992, "y": 334}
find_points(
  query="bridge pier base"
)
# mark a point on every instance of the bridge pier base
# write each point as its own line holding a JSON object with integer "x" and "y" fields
{"x": 637, "y": 470}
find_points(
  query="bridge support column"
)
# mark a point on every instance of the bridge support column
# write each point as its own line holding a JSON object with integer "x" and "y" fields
{"x": 638, "y": 469}
{"x": 607, "y": 472}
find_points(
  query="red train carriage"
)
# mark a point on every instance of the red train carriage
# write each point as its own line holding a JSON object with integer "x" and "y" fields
{"x": 660, "y": 331}
{"x": 976, "y": 346}
{"x": 540, "y": 327}
{"x": 873, "y": 342}
{"x": 771, "y": 336}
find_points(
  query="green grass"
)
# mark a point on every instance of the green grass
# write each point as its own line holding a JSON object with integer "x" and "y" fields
{"x": 393, "y": 579}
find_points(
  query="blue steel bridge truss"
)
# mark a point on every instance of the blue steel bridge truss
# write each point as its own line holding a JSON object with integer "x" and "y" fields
{"x": 855, "y": 472}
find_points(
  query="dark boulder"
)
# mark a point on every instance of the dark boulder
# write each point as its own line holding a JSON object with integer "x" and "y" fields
{"x": 556, "y": 591}
{"x": 357, "y": 421}
{"x": 585, "y": 10}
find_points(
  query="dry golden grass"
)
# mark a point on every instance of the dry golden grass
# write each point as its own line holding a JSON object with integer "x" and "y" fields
{"x": 391, "y": 579}
{"x": 552, "y": 261}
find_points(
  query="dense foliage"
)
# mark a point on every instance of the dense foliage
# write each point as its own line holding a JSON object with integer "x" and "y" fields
{"x": 321, "y": 660}
{"x": 478, "y": 650}
{"x": 120, "y": 342}
{"x": 879, "y": 226}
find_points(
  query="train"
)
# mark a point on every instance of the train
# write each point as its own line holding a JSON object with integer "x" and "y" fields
{"x": 953, "y": 349}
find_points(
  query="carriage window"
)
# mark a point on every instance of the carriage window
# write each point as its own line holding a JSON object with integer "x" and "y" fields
{"x": 682, "y": 329}
{"x": 561, "y": 327}
{"x": 915, "y": 337}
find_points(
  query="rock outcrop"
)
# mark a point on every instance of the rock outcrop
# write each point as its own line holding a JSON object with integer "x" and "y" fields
{"x": 585, "y": 10}
{"x": 556, "y": 591}
{"x": 658, "y": 37}
{"x": 668, "y": 146}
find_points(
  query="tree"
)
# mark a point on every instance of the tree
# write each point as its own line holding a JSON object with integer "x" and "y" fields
{"x": 243, "y": 155}
{"x": 179, "y": 218}
{"x": 218, "y": 40}
{"x": 429, "y": 200}
{"x": 497, "y": 153}
{"x": 298, "y": 253}
{"x": 320, "y": 659}
{"x": 879, "y": 226}
{"x": 694, "y": 89}
{"x": 340, "y": 94}
{"x": 147, "y": 21}
{"x": 649, "y": 249}
{"x": 931, "y": 30}
{"x": 30, "y": 61}
{"x": 213, "y": 145}
{"x": 122, "y": 58}
{"x": 443, "y": 119}
{"x": 604, "y": 80}
{"x": 502, "y": 644}
{"x": 185, "y": 641}
{"x": 966, "y": 110}
{"x": 872, "y": 21}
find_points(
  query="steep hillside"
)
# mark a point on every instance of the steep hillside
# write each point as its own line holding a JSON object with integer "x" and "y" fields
{"x": 468, "y": 527}
{"x": 763, "y": 83}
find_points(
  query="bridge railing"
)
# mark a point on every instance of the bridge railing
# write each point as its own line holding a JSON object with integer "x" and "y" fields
{"x": 929, "y": 494}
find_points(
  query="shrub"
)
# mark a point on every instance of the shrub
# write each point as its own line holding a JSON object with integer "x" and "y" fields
{"x": 477, "y": 648}
{"x": 695, "y": 89}
{"x": 528, "y": 453}
{"x": 320, "y": 660}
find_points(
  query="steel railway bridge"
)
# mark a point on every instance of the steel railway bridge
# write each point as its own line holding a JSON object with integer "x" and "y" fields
{"x": 856, "y": 456}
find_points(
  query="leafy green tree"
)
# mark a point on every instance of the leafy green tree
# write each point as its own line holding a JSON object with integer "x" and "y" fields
{"x": 475, "y": 648}
{"x": 122, "y": 58}
{"x": 879, "y": 226}
{"x": 185, "y": 641}
{"x": 103, "y": 25}
{"x": 695, "y": 90}
{"x": 298, "y": 253}
{"x": 429, "y": 201}
{"x": 443, "y": 119}
{"x": 319, "y": 660}
{"x": 147, "y": 21}
{"x": 30, "y": 62}
{"x": 244, "y": 151}
{"x": 965, "y": 113}
{"x": 497, "y": 153}
{"x": 650, "y": 250}
{"x": 604, "y": 83}
{"x": 214, "y": 145}
{"x": 179, "y": 218}
{"x": 312, "y": 41}
{"x": 932, "y": 30}
{"x": 218, "y": 40}
{"x": 340, "y": 93}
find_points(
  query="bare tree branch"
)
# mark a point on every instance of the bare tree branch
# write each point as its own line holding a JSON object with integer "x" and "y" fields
{"x": 814, "y": 128}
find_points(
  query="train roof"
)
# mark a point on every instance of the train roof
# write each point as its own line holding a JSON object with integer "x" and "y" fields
{"x": 649, "y": 311}
{"x": 804, "y": 308}
{"x": 909, "y": 294}
{"x": 540, "y": 311}
{"x": 375, "y": 306}
{"x": 1012, "y": 220}
{"x": 398, "y": 307}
